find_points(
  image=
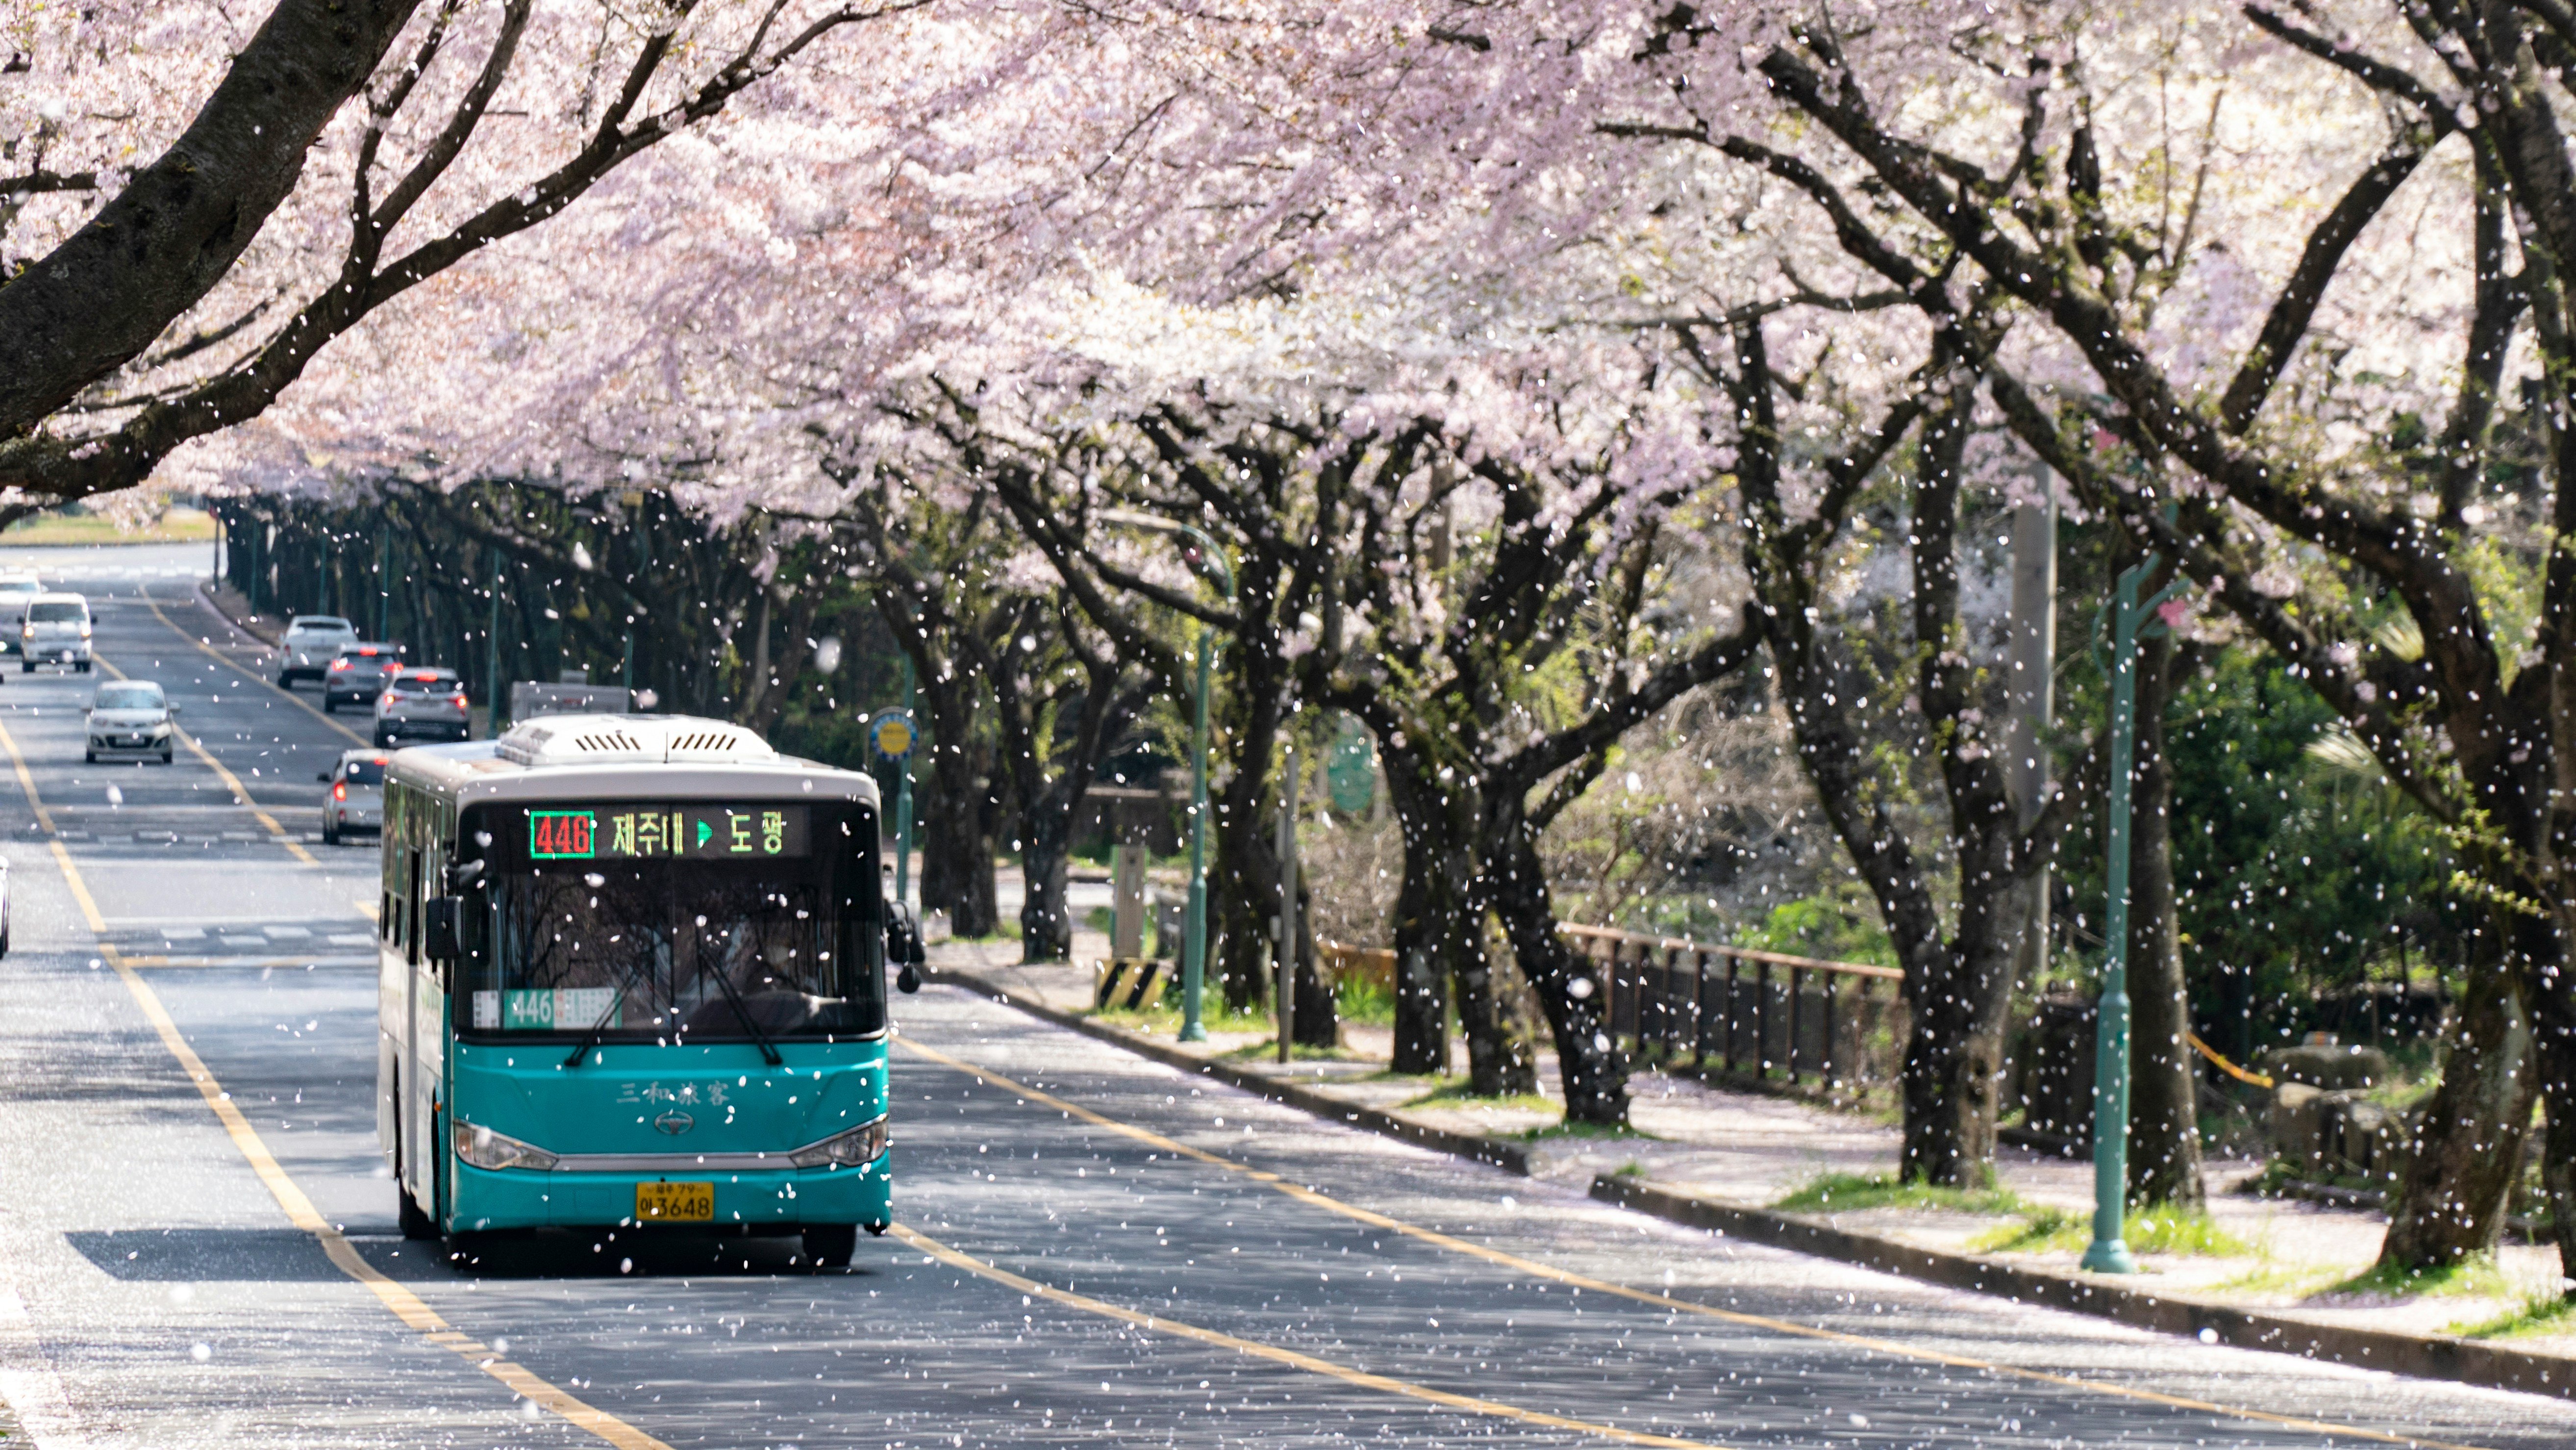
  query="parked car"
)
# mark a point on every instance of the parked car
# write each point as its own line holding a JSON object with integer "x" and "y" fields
{"x": 357, "y": 798}
{"x": 421, "y": 704}
{"x": 357, "y": 673}
{"x": 131, "y": 717}
{"x": 310, "y": 644}
{"x": 15, "y": 591}
{"x": 54, "y": 631}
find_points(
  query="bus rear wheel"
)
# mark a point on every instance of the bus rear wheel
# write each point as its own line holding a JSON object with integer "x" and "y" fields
{"x": 830, "y": 1245}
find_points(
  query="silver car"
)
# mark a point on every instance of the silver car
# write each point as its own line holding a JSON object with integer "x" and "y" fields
{"x": 15, "y": 591}
{"x": 55, "y": 631}
{"x": 131, "y": 717}
{"x": 421, "y": 704}
{"x": 357, "y": 798}
{"x": 357, "y": 673}
{"x": 310, "y": 644}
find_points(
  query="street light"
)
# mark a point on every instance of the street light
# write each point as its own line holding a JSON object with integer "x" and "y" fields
{"x": 1208, "y": 561}
{"x": 2108, "y": 1253}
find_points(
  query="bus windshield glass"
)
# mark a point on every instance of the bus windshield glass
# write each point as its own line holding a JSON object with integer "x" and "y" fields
{"x": 588, "y": 930}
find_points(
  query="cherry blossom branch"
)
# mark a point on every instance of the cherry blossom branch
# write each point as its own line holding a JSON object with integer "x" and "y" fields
{"x": 96, "y": 301}
{"x": 2360, "y": 703}
{"x": 77, "y": 467}
{"x": 2394, "y": 548}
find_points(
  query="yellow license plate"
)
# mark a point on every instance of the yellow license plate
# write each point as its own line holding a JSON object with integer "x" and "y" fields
{"x": 675, "y": 1202}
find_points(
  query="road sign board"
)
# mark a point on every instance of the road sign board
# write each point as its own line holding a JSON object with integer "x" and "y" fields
{"x": 890, "y": 731}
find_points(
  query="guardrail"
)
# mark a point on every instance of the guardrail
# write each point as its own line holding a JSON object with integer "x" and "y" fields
{"x": 1745, "y": 1012}
{"x": 1344, "y": 963}
{"x": 1733, "y": 1010}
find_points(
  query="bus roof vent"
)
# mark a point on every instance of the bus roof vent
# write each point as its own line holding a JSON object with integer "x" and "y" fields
{"x": 712, "y": 741}
{"x": 630, "y": 740}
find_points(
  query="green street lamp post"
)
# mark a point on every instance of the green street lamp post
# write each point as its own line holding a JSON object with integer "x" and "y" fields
{"x": 2108, "y": 1253}
{"x": 1209, "y": 562}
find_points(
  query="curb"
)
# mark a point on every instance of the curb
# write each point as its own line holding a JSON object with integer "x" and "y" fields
{"x": 205, "y": 592}
{"x": 1506, "y": 1156}
{"x": 2421, "y": 1356}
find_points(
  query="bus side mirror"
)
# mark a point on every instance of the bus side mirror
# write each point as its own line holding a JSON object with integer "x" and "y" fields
{"x": 903, "y": 946}
{"x": 438, "y": 928}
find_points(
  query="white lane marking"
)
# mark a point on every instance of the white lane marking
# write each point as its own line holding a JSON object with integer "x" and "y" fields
{"x": 28, "y": 1382}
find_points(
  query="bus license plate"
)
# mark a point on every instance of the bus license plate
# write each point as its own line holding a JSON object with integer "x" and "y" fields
{"x": 675, "y": 1202}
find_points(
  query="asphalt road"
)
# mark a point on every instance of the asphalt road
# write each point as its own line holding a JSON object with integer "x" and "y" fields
{"x": 1092, "y": 1250}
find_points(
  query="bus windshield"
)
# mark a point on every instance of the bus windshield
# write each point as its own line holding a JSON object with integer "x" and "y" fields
{"x": 674, "y": 951}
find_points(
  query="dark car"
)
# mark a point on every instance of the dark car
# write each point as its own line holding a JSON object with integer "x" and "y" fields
{"x": 421, "y": 704}
{"x": 357, "y": 673}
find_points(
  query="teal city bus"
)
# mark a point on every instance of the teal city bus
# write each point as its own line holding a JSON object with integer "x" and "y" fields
{"x": 633, "y": 980}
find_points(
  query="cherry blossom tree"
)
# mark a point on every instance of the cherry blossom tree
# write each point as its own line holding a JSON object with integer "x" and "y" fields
{"x": 2326, "y": 385}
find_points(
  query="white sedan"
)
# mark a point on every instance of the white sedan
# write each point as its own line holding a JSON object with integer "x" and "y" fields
{"x": 131, "y": 717}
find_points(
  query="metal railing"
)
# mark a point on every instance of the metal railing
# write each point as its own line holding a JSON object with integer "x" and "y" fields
{"x": 1740, "y": 1011}
{"x": 1733, "y": 1010}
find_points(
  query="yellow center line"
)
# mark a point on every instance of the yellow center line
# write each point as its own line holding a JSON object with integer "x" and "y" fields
{"x": 404, "y": 1304}
{"x": 230, "y": 663}
{"x": 1277, "y": 1355}
{"x": 231, "y": 781}
{"x": 1535, "y": 1269}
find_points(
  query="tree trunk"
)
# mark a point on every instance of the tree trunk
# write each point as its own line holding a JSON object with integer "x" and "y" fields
{"x": 2551, "y": 1011}
{"x": 2164, "y": 1101}
{"x": 1046, "y": 922}
{"x": 1502, "y": 1041}
{"x": 1588, "y": 1064}
{"x": 1950, "y": 1083}
{"x": 1422, "y": 913}
{"x": 1318, "y": 1014}
{"x": 1440, "y": 920}
{"x": 1243, "y": 889}
{"x": 2466, "y": 1148}
{"x": 957, "y": 844}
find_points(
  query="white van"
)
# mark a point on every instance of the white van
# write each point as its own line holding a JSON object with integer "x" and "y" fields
{"x": 55, "y": 632}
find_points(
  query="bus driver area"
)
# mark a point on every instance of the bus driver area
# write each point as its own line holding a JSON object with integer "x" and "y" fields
{"x": 632, "y": 976}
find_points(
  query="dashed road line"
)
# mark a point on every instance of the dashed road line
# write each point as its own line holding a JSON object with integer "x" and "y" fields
{"x": 254, "y": 676}
{"x": 232, "y": 782}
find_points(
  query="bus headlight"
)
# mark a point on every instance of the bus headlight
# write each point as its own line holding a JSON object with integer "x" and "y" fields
{"x": 486, "y": 1149}
{"x": 864, "y": 1144}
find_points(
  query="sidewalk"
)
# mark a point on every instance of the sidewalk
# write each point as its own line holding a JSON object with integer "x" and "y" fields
{"x": 1724, "y": 1159}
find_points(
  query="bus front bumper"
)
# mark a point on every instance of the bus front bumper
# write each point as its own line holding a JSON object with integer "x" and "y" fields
{"x": 508, "y": 1198}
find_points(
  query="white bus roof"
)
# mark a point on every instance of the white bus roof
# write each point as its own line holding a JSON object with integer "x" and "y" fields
{"x": 611, "y": 757}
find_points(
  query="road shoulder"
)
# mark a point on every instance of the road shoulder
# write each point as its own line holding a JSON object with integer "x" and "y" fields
{"x": 2425, "y": 1356}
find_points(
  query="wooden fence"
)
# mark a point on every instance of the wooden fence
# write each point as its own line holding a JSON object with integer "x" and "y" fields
{"x": 1748, "y": 1013}
{"x": 1731, "y": 1010}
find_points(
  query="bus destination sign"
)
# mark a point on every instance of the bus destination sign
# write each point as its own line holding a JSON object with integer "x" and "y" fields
{"x": 689, "y": 831}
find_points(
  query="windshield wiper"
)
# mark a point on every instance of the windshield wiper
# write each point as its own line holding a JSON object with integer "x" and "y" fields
{"x": 741, "y": 1009}
{"x": 599, "y": 1029}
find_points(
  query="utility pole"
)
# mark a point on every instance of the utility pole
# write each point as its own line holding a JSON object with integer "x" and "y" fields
{"x": 2108, "y": 1253}
{"x": 2033, "y": 648}
{"x": 493, "y": 709}
{"x": 384, "y": 582}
